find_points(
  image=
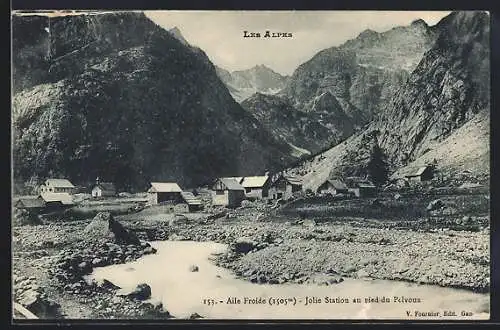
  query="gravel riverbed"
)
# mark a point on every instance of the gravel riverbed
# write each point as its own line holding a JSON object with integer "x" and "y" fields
{"x": 58, "y": 256}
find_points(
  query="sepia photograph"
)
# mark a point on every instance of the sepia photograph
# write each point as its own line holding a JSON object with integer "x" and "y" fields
{"x": 251, "y": 165}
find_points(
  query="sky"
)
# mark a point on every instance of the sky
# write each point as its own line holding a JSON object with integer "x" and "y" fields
{"x": 220, "y": 33}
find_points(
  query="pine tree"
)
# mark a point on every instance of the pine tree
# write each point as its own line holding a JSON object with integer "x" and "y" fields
{"x": 377, "y": 166}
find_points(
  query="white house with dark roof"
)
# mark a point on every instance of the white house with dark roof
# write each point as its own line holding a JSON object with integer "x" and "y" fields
{"x": 103, "y": 189}
{"x": 57, "y": 186}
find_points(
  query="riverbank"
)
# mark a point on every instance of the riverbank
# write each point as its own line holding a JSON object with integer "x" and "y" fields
{"x": 267, "y": 247}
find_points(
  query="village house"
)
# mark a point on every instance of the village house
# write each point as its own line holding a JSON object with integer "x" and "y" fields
{"x": 256, "y": 187}
{"x": 165, "y": 192}
{"x": 56, "y": 200}
{"x": 283, "y": 187}
{"x": 227, "y": 192}
{"x": 418, "y": 174}
{"x": 194, "y": 203}
{"x": 361, "y": 187}
{"x": 57, "y": 186}
{"x": 30, "y": 204}
{"x": 103, "y": 189}
{"x": 333, "y": 187}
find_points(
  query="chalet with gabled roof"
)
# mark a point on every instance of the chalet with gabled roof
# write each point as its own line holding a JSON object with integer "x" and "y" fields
{"x": 227, "y": 192}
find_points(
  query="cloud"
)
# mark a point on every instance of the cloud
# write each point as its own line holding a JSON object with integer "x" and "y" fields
{"x": 220, "y": 33}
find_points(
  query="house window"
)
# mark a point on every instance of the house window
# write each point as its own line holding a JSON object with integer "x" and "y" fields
{"x": 247, "y": 190}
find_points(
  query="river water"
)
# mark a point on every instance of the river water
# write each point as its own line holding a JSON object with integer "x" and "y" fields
{"x": 214, "y": 292}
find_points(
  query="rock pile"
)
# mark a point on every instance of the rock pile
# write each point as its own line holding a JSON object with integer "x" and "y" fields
{"x": 22, "y": 217}
{"x": 141, "y": 292}
{"x": 27, "y": 293}
{"x": 435, "y": 205}
{"x": 105, "y": 228}
{"x": 72, "y": 265}
{"x": 105, "y": 242}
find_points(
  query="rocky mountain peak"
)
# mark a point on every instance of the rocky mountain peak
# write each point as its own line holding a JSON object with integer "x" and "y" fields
{"x": 176, "y": 32}
{"x": 461, "y": 27}
{"x": 368, "y": 33}
{"x": 258, "y": 79}
{"x": 419, "y": 23}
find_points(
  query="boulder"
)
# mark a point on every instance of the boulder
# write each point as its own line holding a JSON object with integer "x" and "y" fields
{"x": 38, "y": 303}
{"x": 435, "y": 205}
{"x": 243, "y": 245}
{"x": 105, "y": 284}
{"x": 105, "y": 227}
{"x": 309, "y": 223}
{"x": 141, "y": 292}
{"x": 178, "y": 219}
{"x": 362, "y": 273}
{"x": 175, "y": 237}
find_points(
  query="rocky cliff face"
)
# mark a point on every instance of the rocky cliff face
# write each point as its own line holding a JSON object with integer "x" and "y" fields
{"x": 363, "y": 71}
{"x": 447, "y": 89}
{"x": 444, "y": 101}
{"x": 259, "y": 79}
{"x": 115, "y": 96}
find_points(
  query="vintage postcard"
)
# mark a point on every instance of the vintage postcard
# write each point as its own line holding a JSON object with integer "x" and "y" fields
{"x": 251, "y": 165}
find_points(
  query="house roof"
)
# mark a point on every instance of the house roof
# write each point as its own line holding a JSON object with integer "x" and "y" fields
{"x": 59, "y": 183}
{"x": 190, "y": 198}
{"x": 254, "y": 181}
{"x": 415, "y": 171}
{"x": 294, "y": 180}
{"x": 107, "y": 186}
{"x": 231, "y": 184}
{"x": 64, "y": 198}
{"x": 337, "y": 184}
{"x": 164, "y": 187}
{"x": 236, "y": 178}
{"x": 30, "y": 203}
{"x": 289, "y": 179}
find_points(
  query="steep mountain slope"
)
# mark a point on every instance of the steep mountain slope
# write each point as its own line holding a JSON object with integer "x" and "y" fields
{"x": 116, "y": 96}
{"x": 449, "y": 86}
{"x": 444, "y": 101}
{"x": 259, "y": 79}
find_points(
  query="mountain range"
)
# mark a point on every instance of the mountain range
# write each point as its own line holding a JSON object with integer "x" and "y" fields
{"x": 258, "y": 79}
{"x": 341, "y": 89}
{"x": 439, "y": 114}
{"x": 116, "y": 96}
